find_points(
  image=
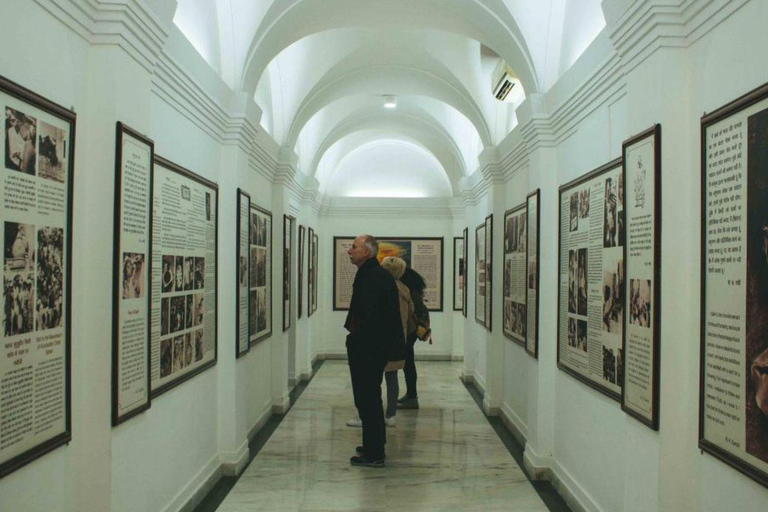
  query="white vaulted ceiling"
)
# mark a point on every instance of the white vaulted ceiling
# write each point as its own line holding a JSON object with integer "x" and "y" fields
{"x": 319, "y": 69}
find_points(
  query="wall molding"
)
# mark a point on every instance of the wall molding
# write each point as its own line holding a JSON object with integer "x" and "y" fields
{"x": 514, "y": 423}
{"x": 233, "y": 463}
{"x": 424, "y": 208}
{"x": 196, "y": 489}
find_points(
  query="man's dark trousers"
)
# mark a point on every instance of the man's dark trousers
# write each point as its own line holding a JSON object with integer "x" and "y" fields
{"x": 367, "y": 374}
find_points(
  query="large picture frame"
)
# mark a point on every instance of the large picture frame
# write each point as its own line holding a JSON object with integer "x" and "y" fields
{"x": 260, "y": 275}
{"x": 132, "y": 271}
{"x": 489, "y": 272}
{"x": 315, "y": 269}
{"x": 459, "y": 277}
{"x": 514, "y": 299}
{"x": 641, "y": 157}
{"x": 465, "y": 297}
{"x": 300, "y": 275}
{"x": 532, "y": 264}
{"x": 576, "y": 330}
{"x": 30, "y": 162}
{"x": 185, "y": 325}
{"x": 429, "y": 250}
{"x": 243, "y": 284}
{"x": 481, "y": 302}
{"x": 287, "y": 254}
{"x": 310, "y": 270}
{"x": 733, "y": 397}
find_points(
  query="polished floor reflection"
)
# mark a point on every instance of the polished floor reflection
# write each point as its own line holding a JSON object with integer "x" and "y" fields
{"x": 440, "y": 457}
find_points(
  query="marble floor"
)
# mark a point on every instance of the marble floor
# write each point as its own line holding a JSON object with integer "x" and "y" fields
{"x": 444, "y": 456}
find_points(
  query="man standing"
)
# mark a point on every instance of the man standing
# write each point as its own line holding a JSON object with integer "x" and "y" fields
{"x": 375, "y": 332}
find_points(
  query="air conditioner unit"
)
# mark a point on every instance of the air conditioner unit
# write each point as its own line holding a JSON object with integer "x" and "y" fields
{"x": 503, "y": 80}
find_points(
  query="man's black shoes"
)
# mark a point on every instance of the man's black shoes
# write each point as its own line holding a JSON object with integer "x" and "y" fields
{"x": 362, "y": 460}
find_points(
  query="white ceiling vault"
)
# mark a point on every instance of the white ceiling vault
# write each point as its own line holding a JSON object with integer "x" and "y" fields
{"x": 319, "y": 69}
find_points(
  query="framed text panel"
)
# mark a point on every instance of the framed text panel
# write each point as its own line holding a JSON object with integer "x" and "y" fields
{"x": 260, "y": 275}
{"x": 515, "y": 297}
{"x": 532, "y": 280}
{"x": 242, "y": 304}
{"x": 459, "y": 279}
{"x": 480, "y": 275}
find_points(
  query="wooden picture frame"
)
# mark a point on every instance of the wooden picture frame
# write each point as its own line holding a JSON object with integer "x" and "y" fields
{"x": 260, "y": 275}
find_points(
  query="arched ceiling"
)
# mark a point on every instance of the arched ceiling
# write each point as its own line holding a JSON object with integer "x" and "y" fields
{"x": 319, "y": 70}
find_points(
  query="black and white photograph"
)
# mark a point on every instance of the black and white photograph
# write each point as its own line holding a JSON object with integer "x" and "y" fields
{"x": 208, "y": 206}
{"x": 188, "y": 349}
{"x": 532, "y": 275}
{"x": 168, "y": 274}
{"x": 198, "y": 308}
{"x": 611, "y": 210}
{"x": 583, "y": 276}
{"x": 179, "y": 273}
{"x": 571, "y": 331}
{"x": 517, "y": 318}
{"x": 199, "y": 350}
{"x": 609, "y": 365}
{"x": 52, "y": 151}
{"x": 584, "y": 204}
{"x": 253, "y": 268}
{"x": 613, "y": 292}
{"x": 164, "y": 315}
{"x": 50, "y": 278}
{"x": 188, "y": 312}
{"x": 178, "y": 309}
{"x": 243, "y": 271}
{"x": 522, "y": 234}
{"x": 199, "y": 273}
{"x": 259, "y": 263}
{"x": 133, "y": 276}
{"x": 178, "y": 353}
{"x": 252, "y": 313}
{"x": 640, "y": 302}
{"x": 261, "y": 310}
{"x": 189, "y": 271}
{"x": 510, "y": 234}
{"x": 19, "y": 247}
{"x": 508, "y": 278}
{"x": 574, "y": 211}
{"x": 581, "y": 335}
{"x": 573, "y": 281}
{"x": 19, "y": 292}
{"x": 20, "y": 141}
{"x": 258, "y": 229}
{"x": 166, "y": 357}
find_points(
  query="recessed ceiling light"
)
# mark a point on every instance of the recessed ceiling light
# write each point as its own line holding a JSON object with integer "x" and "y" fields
{"x": 390, "y": 101}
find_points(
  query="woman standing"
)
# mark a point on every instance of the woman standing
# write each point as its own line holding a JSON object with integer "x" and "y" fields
{"x": 416, "y": 285}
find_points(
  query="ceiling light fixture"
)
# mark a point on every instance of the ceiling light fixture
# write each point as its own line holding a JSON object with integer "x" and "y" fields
{"x": 390, "y": 101}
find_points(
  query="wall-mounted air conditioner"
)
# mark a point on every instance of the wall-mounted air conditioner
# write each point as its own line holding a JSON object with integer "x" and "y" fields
{"x": 503, "y": 81}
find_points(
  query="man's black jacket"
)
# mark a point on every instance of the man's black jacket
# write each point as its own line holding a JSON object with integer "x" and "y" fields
{"x": 373, "y": 321}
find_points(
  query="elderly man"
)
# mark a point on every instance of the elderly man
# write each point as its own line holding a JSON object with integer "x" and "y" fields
{"x": 375, "y": 333}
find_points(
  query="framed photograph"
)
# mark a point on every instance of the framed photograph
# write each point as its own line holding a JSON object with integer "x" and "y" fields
{"x": 300, "y": 298}
{"x": 287, "y": 237}
{"x": 532, "y": 276}
{"x": 515, "y": 296}
{"x": 185, "y": 241}
{"x": 459, "y": 278}
{"x": 480, "y": 275}
{"x": 242, "y": 256}
{"x": 39, "y": 152}
{"x": 733, "y": 407}
{"x": 131, "y": 271}
{"x": 424, "y": 255}
{"x": 591, "y": 277}
{"x": 315, "y": 269}
{"x": 489, "y": 272}
{"x": 641, "y": 156}
{"x": 310, "y": 271}
{"x": 465, "y": 257}
{"x": 260, "y": 288}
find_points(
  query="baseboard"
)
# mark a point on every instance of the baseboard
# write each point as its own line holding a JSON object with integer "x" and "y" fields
{"x": 315, "y": 358}
{"x": 260, "y": 423}
{"x": 515, "y": 425}
{"x": 468, "y": 378}
{"x": 458, "y": 358}
{"x": 283, "y": 405}
{"x": 233, "y": 463}
{"x": 479, "y": 383}
{"x": 488, "y": 409}
{"x": 546, "y": 468}
{"x": 197, "y": 489}
{"x": 540, "y": 468}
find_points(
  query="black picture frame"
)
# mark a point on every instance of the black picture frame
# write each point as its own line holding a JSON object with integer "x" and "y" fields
{"x": 506, "y": 275}
{"x": 596, "y": 173}
{"x": 288, "y": 222}
{"x": 466, "y": 272}
{"x": 316, "y": 269}
{"x": 255, "y": 338}
{"x": 748, "y": 100}
{"x": 489, "y": 272}
{"x": 300, "y": 287}
{"x": 214, "y": 188}
{"x": 458, "y": 269}
{"x": 653, "y": 133}
{"x": 242, "y": 347}
{"x": 480, "y": 234}
{"x": 70, "y": 118}
{"x": 441, "y": 240}
{"x": 310, "y": 270}
{"x": 534, "y": 196}
{"x": 121, "y": 131}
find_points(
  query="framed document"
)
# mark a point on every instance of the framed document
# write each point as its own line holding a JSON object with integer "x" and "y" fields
{"x": 424, "y": 255}
{"x": 459, "y": 281}
{"x": 35, "y": 366}
{"x": 489, "y": 272}
{"x": 465, "y": 270}
{"x": 260, "y": 314}
{"x": 287, "y": 237}
{"x": 591, "y": 279}
{"x": 185, "y": 239}
{"x": 641, "y": 155}
{"x": 242, "y": 298}
{"x": 301, "y": 271}
{"x": 131, "y": 271}
{"x": 315, "y": 269}
{"x": 515, "y": 296}
{"x": 733, "y": 408}
{"x": 310, "y": 270}
{"x": 480, "y": 275}
{"x": 532, "y": 279}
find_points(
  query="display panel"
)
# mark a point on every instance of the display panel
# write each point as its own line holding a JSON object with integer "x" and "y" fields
{"x": 733, "y": 408}
{"x": 260, "y": 275}
{"x": 465, "y": 296}
{"x": 532, "y": 279}
{"x": 184, "y": 292}
{"x": 242, "y": 305}
{"x": 591, "y": 279}
{"x": 131, "y": 286}
{"x": 480, "y": 280}
{"x": 37, "y": 184}
{"x": 315, "y": 270}
{"x": 300, "y": 297}
{"x": 489, "y": 272}
{"x": 424, "y": 255}
{"x": 287, "y": 237}
{"x": 310, "y": 270}
{"x": 459, "y": 279}
{"x": 515, "y": 297}
{"x": 642, "y": 253}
